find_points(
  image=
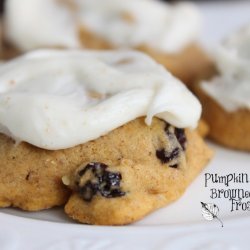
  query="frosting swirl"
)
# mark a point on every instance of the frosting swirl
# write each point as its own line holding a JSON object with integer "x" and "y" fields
{"x": 169, "y": 28}
{"x": 59, "y": 99}
{"x": 231, "y": 89}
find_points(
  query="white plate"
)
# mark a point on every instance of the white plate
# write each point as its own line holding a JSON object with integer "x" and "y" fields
{"x": 178, "y": 226}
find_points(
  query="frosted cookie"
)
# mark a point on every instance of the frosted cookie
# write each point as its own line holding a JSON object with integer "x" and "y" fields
{"x": 167, "y": 32}
{"x": 62, "y": 110}
{"x": 225, "y": 94}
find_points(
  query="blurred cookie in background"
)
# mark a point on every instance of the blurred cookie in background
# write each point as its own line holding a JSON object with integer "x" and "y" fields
{"x": 167, "y": 32}
{"x": 225, "y": 92}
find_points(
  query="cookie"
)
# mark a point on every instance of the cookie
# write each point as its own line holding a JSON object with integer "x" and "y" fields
{"x": 230, "y": 129}
{"x": 91, "y": 130}
{"x": 25, "y": 169}
{"x": 169, "y": 35}
{"x": 223, "y": 89}
{"x": 133, "y": 171}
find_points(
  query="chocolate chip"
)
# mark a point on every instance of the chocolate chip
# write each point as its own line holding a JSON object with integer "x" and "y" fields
{"x": 166, "y": 157}
{"x": 104, "y": 182}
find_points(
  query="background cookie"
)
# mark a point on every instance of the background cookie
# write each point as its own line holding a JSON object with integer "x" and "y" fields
{"x": 229, "y": 129}
{"x": 174, "y": 45}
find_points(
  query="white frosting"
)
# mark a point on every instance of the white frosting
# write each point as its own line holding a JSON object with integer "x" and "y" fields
{"x": 46, "y": 100}
{"x": 231, "y": 88}
{"x": 35, "y": 23}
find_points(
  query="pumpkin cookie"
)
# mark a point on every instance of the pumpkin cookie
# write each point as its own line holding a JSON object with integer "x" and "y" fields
{"x": 225, "y": 93}
{"x": 224, "y": 126}
{"x": 167, "y": 32}
{"x": 132, "y": 166}
{"x": 97, "y": 127}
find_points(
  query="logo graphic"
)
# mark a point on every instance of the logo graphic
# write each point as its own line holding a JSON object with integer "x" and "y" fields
{"x": 210, "y": 211}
